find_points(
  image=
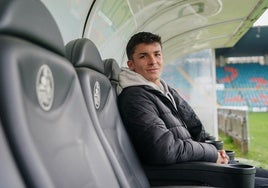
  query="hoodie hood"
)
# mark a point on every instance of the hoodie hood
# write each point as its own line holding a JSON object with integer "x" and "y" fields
{"x": 129, "y": 78}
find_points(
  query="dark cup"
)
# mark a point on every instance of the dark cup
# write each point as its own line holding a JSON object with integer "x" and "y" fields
{"x": 231, "y": 154}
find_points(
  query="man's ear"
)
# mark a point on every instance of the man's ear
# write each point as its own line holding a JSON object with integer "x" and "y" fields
{"x": 130, "y": 64}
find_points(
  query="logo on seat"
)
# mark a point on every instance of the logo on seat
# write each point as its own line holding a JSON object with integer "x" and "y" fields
{"x": 96, "y": 95}
{"x": 45, "y": 87}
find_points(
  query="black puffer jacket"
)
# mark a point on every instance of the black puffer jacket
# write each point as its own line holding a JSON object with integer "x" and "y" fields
{"x": 160, "y": 133}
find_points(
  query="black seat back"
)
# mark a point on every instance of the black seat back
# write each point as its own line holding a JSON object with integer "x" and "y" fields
{"x": 102, "y": 106}
{"x": 42, "y": 108}
{"x": 112, "y": 70}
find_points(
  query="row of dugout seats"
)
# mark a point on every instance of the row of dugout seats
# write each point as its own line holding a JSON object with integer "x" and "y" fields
{"x": 60, "y": 126}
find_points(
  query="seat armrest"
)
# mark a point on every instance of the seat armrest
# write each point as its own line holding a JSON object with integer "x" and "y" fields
{"x": 202, "y": 173}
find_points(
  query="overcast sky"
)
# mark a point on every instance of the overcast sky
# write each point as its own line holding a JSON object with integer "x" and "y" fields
{"x": 263, "y": 20}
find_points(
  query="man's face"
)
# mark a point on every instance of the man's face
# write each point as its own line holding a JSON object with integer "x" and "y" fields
{"x": 148, "y": 61}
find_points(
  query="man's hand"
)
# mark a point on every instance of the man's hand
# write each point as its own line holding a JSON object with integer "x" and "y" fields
{"x": 222, "y": 157}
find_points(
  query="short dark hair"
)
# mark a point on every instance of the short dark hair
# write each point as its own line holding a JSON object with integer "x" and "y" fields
{"x": 138, "y": 38}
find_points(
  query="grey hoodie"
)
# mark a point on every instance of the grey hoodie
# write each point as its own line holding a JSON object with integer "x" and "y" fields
{"x": 129, "y": 78}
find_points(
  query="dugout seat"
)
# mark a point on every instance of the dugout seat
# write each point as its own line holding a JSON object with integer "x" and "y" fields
{"x": 102, "y": 106}
{"x": 112, "y": 70}
{"x": 43, "y": 113}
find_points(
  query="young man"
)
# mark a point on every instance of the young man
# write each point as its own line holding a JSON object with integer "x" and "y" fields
{"x": 163, "y": 127}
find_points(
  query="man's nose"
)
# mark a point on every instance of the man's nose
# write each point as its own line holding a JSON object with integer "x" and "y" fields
{"x": 152, "y": 60}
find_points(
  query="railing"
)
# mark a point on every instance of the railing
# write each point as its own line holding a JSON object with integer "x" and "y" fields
{"x": 234, "y": 123}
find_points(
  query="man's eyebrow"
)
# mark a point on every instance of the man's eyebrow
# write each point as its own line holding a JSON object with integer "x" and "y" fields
{"x": 142, "y": 53}
{"x": 145, "y": 53}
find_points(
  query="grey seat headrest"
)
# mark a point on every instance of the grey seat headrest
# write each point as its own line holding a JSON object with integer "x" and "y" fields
{"x": 111, "y": 69}
{"x": 32, "y": 22}
{"x": 84, "y": 53}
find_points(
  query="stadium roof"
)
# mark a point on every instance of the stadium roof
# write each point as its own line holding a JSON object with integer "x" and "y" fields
{"x": 253, "y": 43}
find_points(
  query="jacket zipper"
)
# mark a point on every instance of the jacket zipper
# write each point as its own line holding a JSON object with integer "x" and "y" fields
{"x": 178, "y": 113}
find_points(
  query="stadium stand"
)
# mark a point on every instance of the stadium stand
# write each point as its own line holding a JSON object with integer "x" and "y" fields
{"x": 245, "y": 84}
